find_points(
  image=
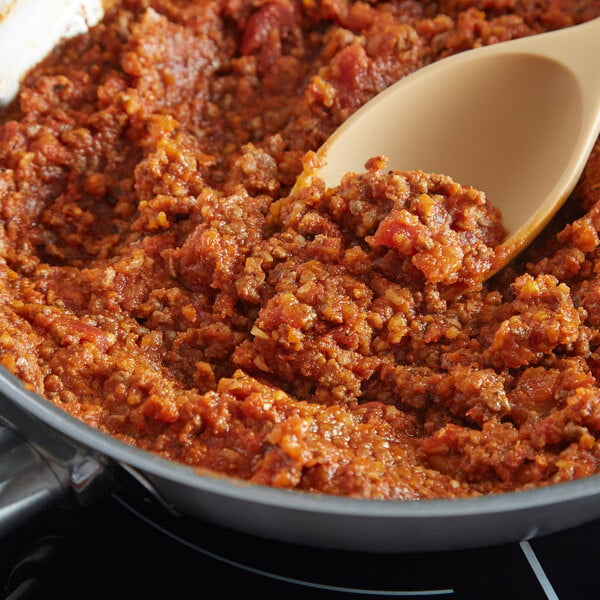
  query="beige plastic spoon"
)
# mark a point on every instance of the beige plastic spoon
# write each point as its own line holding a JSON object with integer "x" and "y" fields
{"x": 516, "y": 120}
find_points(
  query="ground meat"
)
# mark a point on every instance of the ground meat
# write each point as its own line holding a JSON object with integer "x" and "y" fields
{"x": 159, "y": 281}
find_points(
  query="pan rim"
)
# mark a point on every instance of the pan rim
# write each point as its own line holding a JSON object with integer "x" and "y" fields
{"x": 152, "y": 464}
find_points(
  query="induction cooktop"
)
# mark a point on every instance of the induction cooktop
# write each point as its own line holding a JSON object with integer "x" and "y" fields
{"x": 120, "y": 548}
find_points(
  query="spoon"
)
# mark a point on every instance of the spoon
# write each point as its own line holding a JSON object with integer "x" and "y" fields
{"x": 517, "y": 120}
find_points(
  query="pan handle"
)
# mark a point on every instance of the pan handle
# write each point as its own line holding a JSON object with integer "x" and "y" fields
{"x": 33, "y": 480}
{"x": 28, "y": 484}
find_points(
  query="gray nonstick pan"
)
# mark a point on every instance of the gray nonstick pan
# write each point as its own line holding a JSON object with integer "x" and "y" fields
{"x": 47, "y": 456}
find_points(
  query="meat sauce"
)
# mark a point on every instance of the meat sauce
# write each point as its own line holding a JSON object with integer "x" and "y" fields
{"x": 159, "y": 282}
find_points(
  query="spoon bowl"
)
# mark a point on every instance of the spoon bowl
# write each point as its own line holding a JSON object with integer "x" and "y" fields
{"x": 516, "y": 120}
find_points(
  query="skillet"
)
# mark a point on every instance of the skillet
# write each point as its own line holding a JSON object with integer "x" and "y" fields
{"x": 47, "y": 456}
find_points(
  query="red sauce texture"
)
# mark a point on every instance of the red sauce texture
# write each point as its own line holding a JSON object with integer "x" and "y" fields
{"x": 159, "y": 282}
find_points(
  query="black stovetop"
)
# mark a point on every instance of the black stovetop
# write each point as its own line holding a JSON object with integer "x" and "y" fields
{"x": 117, "y": 549}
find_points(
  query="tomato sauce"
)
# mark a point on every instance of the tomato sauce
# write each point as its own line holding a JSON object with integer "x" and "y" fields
{"x": 159, "y": 282}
